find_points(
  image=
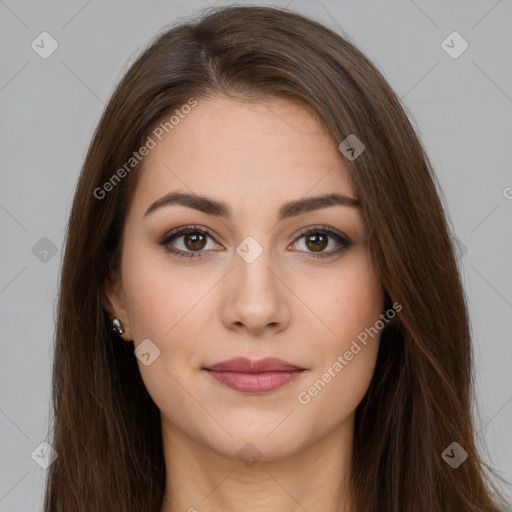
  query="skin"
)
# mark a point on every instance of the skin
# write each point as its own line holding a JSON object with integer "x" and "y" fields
{"x": 287, "y": 303}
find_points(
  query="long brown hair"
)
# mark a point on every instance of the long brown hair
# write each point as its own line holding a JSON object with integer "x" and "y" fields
{"x": 106, "y": 428}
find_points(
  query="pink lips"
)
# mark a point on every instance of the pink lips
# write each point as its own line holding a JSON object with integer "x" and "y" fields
{"x": 248, "y": 376}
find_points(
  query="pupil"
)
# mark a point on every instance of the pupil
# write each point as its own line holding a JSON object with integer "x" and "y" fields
{"x": 318, "y": 243}
{"x": 196, "y": 240}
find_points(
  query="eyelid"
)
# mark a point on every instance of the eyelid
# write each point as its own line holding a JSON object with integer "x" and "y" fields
{"x": 322, "y": 228}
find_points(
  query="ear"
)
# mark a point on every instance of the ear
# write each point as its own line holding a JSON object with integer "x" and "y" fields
{"x": 113, "y": 301}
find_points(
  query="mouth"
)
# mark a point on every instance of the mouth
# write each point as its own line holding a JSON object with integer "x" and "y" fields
{"x": 249, "y": 376}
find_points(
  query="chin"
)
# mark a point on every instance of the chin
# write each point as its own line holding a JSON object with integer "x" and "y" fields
{"x": 256, "y": 443}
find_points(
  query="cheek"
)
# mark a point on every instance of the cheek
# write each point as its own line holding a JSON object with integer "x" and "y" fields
{"x": 171, "y": 305}
{"x": 347, "y": 305}
{"x": 173, "y": 311}
{"x": 333, "y": 393}
{"x": 345, "y": 302}
{"x": 159, "y": 293}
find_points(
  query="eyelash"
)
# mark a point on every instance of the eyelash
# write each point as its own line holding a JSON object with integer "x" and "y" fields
{"x": 344, "y": 241}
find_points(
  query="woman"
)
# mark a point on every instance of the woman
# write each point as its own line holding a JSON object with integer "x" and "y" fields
{"x": 260, "y": 308}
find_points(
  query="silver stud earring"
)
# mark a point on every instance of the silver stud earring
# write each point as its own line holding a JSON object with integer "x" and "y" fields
{"x": 117, "y": 327}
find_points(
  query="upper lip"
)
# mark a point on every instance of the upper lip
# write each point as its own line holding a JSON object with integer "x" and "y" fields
{"x": 246, "y": 365}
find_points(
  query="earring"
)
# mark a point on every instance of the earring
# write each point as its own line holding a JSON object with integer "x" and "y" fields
{"x": 117, "y": 327}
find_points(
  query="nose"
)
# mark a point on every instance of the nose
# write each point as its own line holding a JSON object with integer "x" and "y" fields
{"x": 256, "y": 298}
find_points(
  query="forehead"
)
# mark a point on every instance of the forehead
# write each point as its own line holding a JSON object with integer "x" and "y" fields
{"x": 248, "y": 154}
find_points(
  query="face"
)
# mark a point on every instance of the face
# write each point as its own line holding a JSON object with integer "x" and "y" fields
{"x": 249, "y": 278}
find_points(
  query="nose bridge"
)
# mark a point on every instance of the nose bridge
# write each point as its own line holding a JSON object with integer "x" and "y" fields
{"x": 255, "y": 294}
{"x": 252, "y": 266}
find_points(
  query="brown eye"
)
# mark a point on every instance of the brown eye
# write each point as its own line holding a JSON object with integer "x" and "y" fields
{"x": 189, "y": 242}
{"x": 316, "y": 239}
{"x": 194, "y": 241}
{"x": 317, "y": 242}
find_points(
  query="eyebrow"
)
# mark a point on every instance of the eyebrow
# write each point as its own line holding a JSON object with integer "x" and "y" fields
{"x": 220, "y": 209}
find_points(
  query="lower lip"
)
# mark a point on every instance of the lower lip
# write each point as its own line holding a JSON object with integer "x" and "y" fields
{"x": 255, "y": 382}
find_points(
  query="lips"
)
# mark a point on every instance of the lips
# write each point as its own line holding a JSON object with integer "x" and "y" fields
{"x": 250, "y": 376}
{"x": 246, "y": 365}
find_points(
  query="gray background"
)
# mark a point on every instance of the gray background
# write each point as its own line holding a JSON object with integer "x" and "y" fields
{"x": 461, "y": 108}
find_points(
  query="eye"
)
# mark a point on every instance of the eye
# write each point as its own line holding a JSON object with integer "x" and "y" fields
{"x": 189, "y": 241}
{"x": 194, "y": 240}
{"x": 318, "y": 238}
